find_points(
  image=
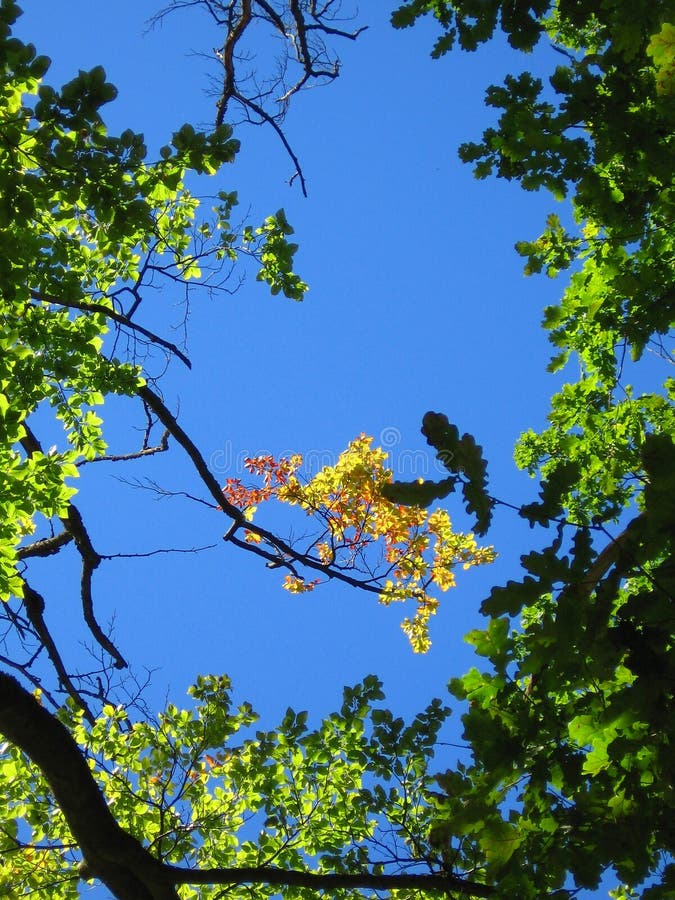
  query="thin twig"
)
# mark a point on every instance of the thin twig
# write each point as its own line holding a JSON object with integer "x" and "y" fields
{"x": 116, "y": 317}
{"x": 127, "y": 457}
{"x": 159, "y": 552}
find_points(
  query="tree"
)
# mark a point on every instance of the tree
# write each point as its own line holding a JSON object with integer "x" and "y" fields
{"x": 89, "y": 225}
{"x": 569, "y": 732}
{"x": 572, "y": 743}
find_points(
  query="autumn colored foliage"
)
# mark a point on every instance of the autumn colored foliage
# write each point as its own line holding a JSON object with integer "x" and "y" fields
{"x": 563, "y": 782}
{"x": 403, "y": 551}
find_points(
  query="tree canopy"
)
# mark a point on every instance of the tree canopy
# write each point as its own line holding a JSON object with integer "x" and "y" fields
{"x": 567, "y": 775}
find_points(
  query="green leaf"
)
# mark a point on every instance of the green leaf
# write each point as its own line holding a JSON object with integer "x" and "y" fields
{"x": 418, "y": 493}
{"x": 463, "y": 457}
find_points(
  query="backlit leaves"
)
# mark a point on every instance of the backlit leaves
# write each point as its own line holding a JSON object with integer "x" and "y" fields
{"x": 569, "y": 729}
{"x": 661, "y": 48}
{"x": 200, "y": 782}
{"x": 570, "y": 743}
{"x": 87, "y": 223}
{"x": 403, "y": 550}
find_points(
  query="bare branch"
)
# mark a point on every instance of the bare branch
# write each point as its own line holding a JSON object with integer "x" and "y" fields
{"x": 266, "y": 117}
{"x": 159, "y": 552}
{"x": 156, "y": 404}
{"x": 121, "y": 319}
{"x": 90, "y": 561}
{"x": 226, "y": 56}
{"x": 148, "y": 484}
{"x": 45, "y": 546}
{"x": 128, "y": 457}
{"x": 304, "y": 58}
{"x": 33, "y": 679}
{"x": 34, "y": 605}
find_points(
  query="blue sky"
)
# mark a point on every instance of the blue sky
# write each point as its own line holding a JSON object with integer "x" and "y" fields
{"x": 417, "y": 301}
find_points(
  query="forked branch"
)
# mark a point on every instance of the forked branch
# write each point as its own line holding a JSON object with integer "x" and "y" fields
{"x": 303, "y": 30}
{"x": 120, "y": 861}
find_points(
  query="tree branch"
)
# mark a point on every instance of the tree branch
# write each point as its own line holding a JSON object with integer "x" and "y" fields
{"x": 90, "y": 562}
{"x": 75, "y": 527}
{"x": 34, "y": 605}
{"x": 282, "y": 548}
{"x": 226, "y": 56}
{"x": 266, "y": 117}
{"x": 432, "y": 884}
{"x": 156, "y": 404}
{"x": 111, "y": 855}
{"x": 610, "y": 555}
{"x": 45, "y": 546}
{"x": 119, "y": 860}
{"x": 302, "y": 29}
{"x": 162, "y": 447}
{"x": 116, "y": 317}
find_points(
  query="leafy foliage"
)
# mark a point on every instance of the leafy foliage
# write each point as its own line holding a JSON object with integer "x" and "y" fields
{"x": 349, "y": 503}
{"x": 571, "y": 742}
{"x": 198, "y": 783}
{"x": 661, "y": 48}
{"x": 463, "y": 458}
{"x": 86, "y": 222}
{"x": 568, "y": 729}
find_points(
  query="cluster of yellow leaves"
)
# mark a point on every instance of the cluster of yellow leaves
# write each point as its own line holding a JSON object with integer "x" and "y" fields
{"x": 403, "y": 550}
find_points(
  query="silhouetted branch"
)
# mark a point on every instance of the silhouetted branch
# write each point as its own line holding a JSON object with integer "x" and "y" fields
{"x": 302, "y": 27}
{"x": 428, "y": 884}
{"x": 283, "y": 551}
{"x": 129, "y": 457}
{"x": 34, "y": 605}
{"x": 120, "y": 861}
{"x": 156, "y": 404}
{"x": 75, "y": 527}
{"x": 91, "y": 560}
{"x": 45, "y": 546}
{"x": 235, "y": 30}
{"x": 110, "y": 854}
{"x": 265, "y": 117}
{"x": 120, "y": 318}
{"x": 33, "y": 679}
{"x": 159, "y": 552}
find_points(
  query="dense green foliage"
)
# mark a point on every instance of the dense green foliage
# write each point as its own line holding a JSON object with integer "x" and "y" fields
{"x": 571, "y": 727}
{"x": 85, "y": 221}
{"x": 570, "y": 771}
{"x": 199, "y": 784}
